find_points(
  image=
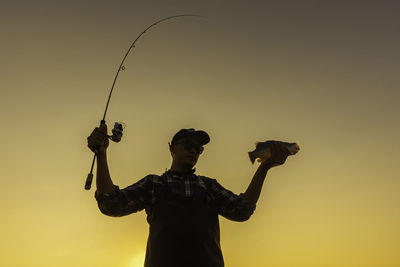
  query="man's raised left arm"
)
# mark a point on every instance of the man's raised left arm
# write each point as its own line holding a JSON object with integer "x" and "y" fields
{"x": 253, "y": 191}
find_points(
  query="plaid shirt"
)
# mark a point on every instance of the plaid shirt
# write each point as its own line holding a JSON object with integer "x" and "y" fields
{"x": 182, "y": 211}
{"x": 146, "y": 192}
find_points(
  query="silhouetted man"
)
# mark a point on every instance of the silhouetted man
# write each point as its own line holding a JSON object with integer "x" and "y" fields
{"x": 182, "y": 207}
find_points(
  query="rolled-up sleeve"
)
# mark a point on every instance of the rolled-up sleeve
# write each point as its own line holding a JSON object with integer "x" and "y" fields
{"x": 125, "y": 201}
{"x": 230, "y": 205}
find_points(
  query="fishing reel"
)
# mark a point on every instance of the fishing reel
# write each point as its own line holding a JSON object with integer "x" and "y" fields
{"x": 117, "y": 132}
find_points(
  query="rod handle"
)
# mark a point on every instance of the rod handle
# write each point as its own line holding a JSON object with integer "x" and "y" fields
{"x": 89, "y": 180}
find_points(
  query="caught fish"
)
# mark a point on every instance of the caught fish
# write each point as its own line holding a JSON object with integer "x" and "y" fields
{"x": 264, "y": 150}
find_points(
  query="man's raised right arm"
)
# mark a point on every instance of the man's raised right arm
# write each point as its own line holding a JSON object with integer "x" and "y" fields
{"x": 104, "y": 183}
{"x": 112, "y": 200}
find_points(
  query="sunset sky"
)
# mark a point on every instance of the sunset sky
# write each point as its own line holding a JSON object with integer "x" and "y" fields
{"x": 324, "y": 74}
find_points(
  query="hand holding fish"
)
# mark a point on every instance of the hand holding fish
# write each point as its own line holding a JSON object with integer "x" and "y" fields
{"x": 273, "y": 153}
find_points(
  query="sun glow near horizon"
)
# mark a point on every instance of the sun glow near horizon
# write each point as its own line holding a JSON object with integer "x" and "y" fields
{"x": 138, "y": 260}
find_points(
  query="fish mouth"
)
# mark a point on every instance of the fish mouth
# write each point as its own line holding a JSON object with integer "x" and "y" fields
{"x": 294, "y": 149}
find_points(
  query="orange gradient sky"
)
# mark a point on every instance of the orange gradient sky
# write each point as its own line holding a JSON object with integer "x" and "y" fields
{"x": 324, "y": 74}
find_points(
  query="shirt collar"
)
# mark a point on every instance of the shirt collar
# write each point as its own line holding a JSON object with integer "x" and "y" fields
{"x": 181, "y": 174}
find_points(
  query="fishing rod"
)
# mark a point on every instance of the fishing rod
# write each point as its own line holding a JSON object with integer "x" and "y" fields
{"x": 118, "y": 127}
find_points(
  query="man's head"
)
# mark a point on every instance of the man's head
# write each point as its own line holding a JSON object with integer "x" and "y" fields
{"x": 186, "y": 146}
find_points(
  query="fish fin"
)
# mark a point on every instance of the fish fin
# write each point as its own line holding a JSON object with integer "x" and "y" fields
{"x": 252, "y": 157}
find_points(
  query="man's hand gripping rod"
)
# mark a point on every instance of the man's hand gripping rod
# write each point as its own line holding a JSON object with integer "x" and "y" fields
{"x": 116, "y": 137}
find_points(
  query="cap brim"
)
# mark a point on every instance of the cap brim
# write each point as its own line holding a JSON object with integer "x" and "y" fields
{"x": 202, "y": 136}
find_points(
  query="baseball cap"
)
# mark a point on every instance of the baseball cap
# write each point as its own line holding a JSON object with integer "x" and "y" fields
{"x": 184, "y": 133}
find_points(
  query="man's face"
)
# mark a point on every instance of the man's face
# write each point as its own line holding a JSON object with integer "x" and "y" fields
{"x": 186, "y": 151}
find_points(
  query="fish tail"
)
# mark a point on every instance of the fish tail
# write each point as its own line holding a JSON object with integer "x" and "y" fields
{"x": 252, "y": 157}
